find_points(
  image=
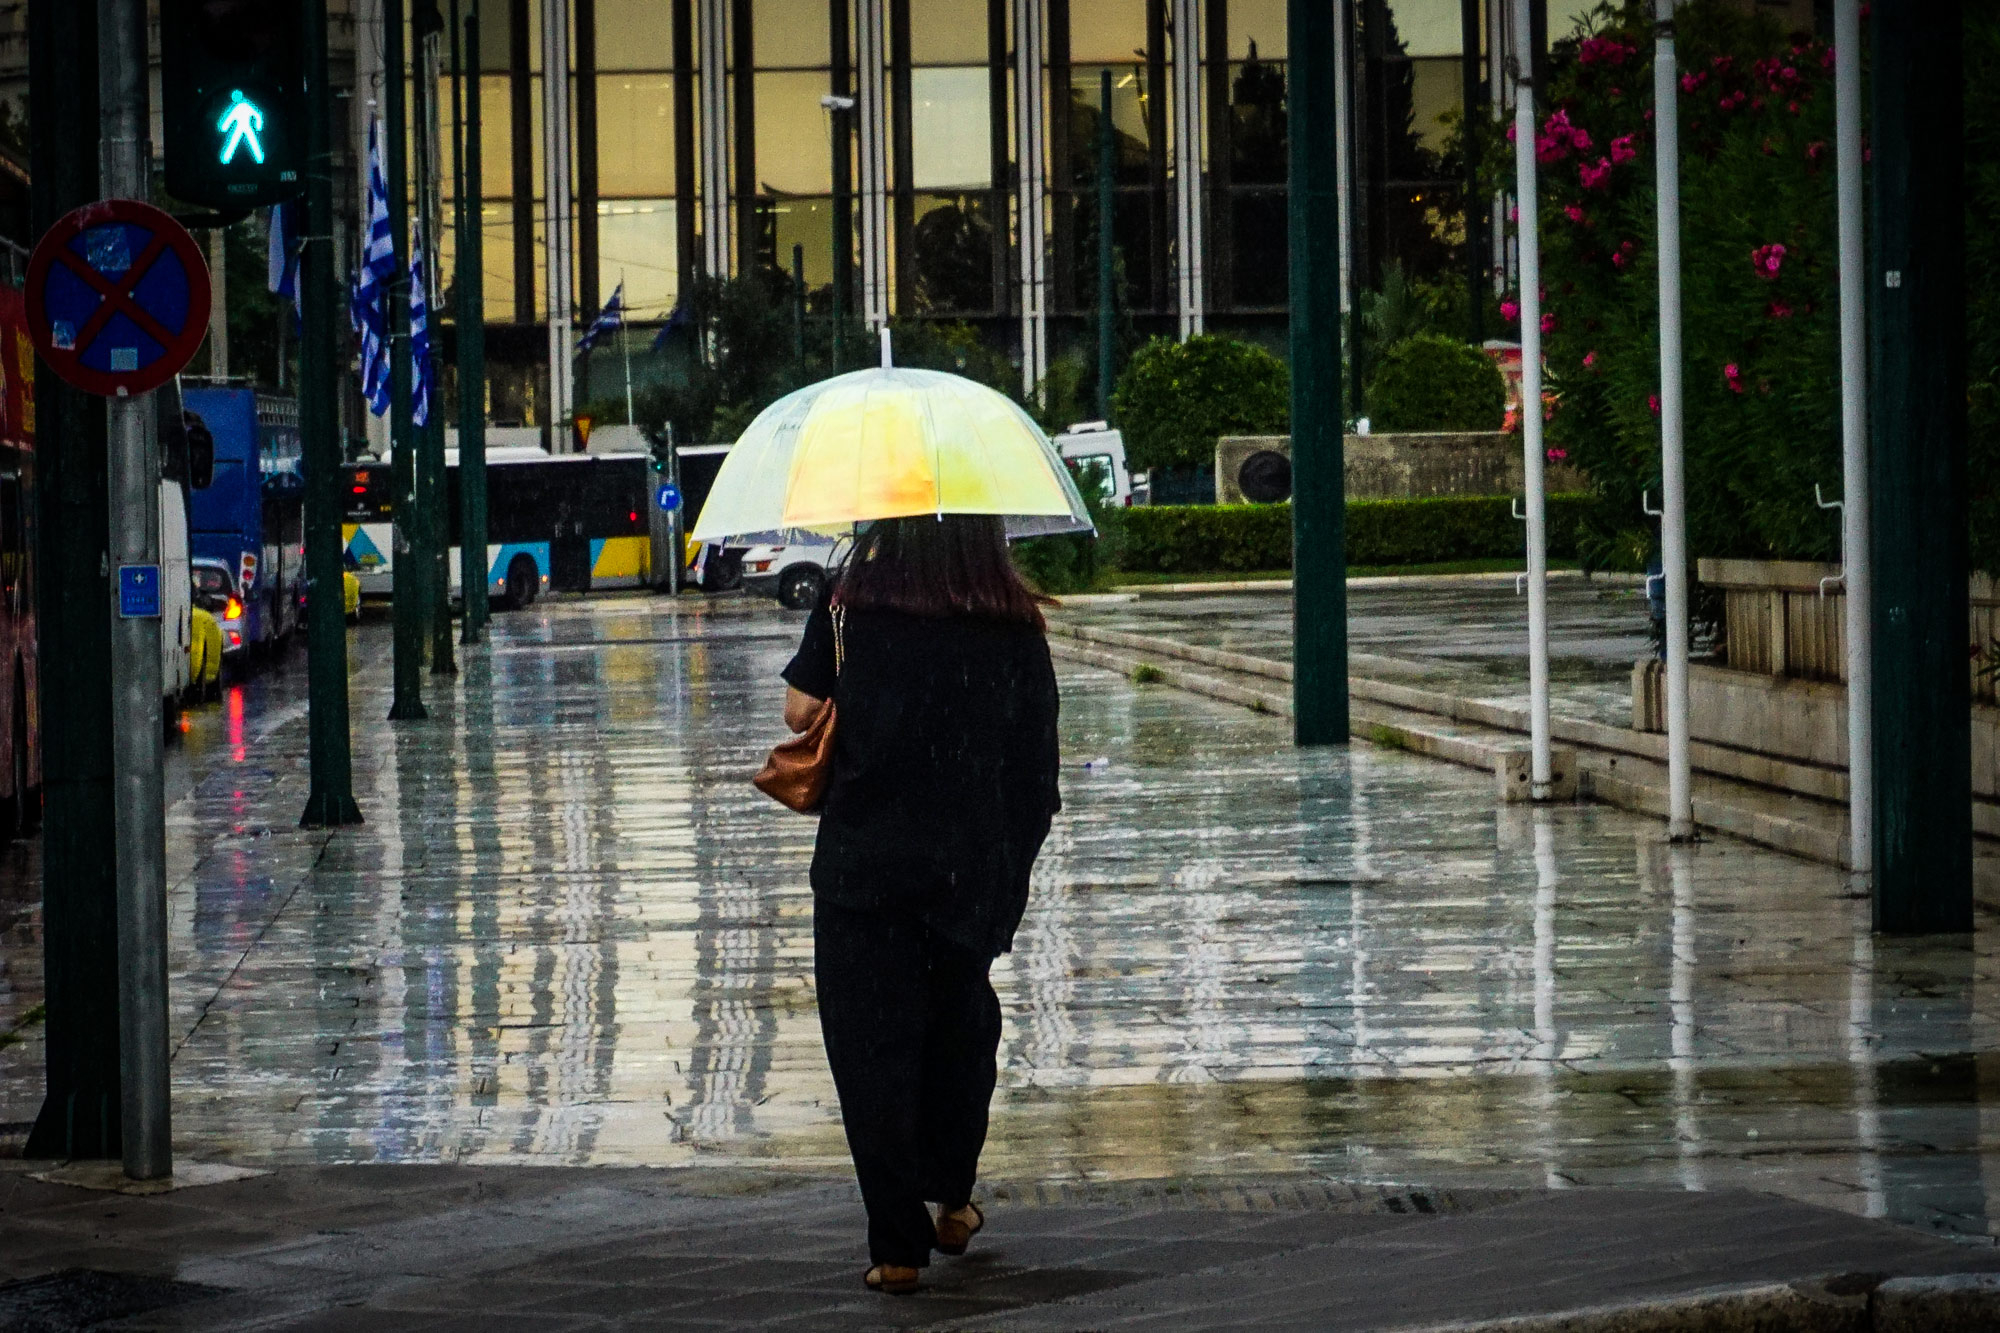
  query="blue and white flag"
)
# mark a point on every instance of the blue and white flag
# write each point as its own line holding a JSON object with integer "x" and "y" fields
{"x": 370, "y": 300}
{"x": 282, "y": 262}
{"x": 609, "y": 320}
{"x": 677, "y": 320}
{"x": 423, "y": 375}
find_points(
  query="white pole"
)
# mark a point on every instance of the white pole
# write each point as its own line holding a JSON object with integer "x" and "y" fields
{"x": 1673, "y": 455}
{"x": 1541, "y": 775}
{"x": 1854, "y": 437}
{"x": 551, "y": 220}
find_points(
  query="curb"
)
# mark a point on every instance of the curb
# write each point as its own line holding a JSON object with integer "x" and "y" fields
{"x": 1849, "y": 1303}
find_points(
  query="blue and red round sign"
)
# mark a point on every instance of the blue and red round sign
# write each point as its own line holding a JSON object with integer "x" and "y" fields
{"x": 117, "y": 297}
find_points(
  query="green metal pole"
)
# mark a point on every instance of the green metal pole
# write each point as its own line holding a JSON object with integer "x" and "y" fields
{"x": 1917, "y": 474}
{"x": 1319, "y": 504}
{"x": 1106, "y": 215}
{"x": 406, "y": 557}
{"x": 799, "y": 309}
{"x": 1473, "y": 92}
{"x": 471, "y": 348}
{"x": 330, "y": 801}
{"x": 80, "y": 1113}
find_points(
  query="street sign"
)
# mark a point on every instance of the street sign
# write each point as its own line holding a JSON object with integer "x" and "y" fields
{"x": 117, "y": 297}
{"x": 668, "y": 497}
{"x": 139, "y": 591}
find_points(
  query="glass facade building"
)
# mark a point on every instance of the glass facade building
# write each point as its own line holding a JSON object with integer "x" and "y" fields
{"x": 709, "y": 136}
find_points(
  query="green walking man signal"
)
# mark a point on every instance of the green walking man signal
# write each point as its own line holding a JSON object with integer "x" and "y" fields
{"x": 232, "y": 83}
{"x": 243, "y": 122}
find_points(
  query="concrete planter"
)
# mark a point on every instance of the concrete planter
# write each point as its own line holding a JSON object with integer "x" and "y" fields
{"x": 1390, "y": 466}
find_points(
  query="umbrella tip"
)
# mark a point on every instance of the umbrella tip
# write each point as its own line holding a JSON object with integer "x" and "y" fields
{"x": 888, "y": 360}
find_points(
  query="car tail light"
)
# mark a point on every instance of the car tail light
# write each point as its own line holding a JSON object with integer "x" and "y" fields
{"x": 235, "y": 639}
{"x": 232, "y": 610}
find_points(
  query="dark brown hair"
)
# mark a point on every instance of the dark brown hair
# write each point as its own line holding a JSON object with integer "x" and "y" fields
{"x": 937, "y": 565}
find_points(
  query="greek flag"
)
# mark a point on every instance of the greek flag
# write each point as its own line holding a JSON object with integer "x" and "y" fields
{"x": 423, "y": 375}
{"x": 677, "y": 322}
{"x": 609, "y": 319}
{"x": 282, "y": 261}
{"x": 370, "y": 297}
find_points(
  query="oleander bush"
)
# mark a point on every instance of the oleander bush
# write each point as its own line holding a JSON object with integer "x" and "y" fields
{"x": 1429, "y": 382}
{"x": 1199, "y": 539}
{"x": 1761, "y": 353}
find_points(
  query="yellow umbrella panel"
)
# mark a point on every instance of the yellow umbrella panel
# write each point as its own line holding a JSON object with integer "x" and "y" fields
{"x": 890, "y": 443}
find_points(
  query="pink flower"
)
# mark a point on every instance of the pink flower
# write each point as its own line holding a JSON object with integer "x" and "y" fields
{"x": 1513, "y": 212}
{"x": 1623, "y": 254}
{"x": 1589, "y": 359}
{"x": 1622, "y": 149}
{"x": 1595, "y": 175}
{"x": 1604, "y": 51}
{"x": 1690, "y": 82}
{"x": 1826, "y": 58}
{"x": 1574, "y": 212}
{"x": 1792, "y": 107}
{"x": 1730, "y": 101}
{"x": 1732, "y": 376}
{"x": 1815, "y": 150}
{"x": 1558, "y": 137}
{"x": 1510, "y": 311}
{"x": 1779, "y": 310}
{"x": 1510, "y": 132}
{"x": 1549, "y": 323}
{"x": 1766, "y": 260}
{"x": 1557, "y": 455}
{"x": 1653, "y": 403}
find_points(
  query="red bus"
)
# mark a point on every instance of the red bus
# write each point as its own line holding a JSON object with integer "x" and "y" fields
{"x": 20, "y": 715}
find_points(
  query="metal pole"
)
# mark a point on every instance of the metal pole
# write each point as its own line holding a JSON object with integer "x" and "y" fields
{"x": 1349, "y": 154}
{"x": 1673, "y": 454}
{"x": 218, "y": 297}
{"x": 406, "y": 560}
{"x": 137, "y": 735}
{"x": 1319, "y": 501}
{"x": 555, "y": 197}
{"x": 472, "y": 360}
{"x": 1107, "y": 203}
{"x": 79, "y": 873}
{"x": 1541, "y": 773}
{"x": 1917, "y": 471}
{"x": 430, "y": 463}
{"x": 1475, "y": 210}
{"x": 330, "y": 801}
{"x": 1854, "y": 437}
{"x": 678, "y": 553}
{"x": 799, "y": 308}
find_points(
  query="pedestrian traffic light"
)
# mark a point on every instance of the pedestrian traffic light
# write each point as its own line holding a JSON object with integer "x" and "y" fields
{"x": 232, "y": 76}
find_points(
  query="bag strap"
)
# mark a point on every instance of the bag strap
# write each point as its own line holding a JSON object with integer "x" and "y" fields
{"x": 839, "y": 639}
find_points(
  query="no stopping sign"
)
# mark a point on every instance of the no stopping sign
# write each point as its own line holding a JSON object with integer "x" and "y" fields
{"x": 117, "y": 297}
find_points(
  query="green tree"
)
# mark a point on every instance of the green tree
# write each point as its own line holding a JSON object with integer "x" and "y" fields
{"x": 1175, "y": 399}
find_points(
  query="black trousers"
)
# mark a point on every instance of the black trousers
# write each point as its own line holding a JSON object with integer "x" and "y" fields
{"x": 912, "y": 1031}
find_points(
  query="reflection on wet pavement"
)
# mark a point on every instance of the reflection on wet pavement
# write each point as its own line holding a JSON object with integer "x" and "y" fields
{"x": 1467, "y": 636}
{"x": 572, "y": 933}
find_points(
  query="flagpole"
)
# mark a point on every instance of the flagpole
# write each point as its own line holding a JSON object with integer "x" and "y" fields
{"x": 406, "y": 563}
{"x": 625, "y": 345}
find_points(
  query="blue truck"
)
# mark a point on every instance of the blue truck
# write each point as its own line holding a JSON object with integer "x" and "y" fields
{"x": 250, "y": 518}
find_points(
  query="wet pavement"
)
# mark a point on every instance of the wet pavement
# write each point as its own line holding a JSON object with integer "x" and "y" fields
{"x": 572, "y": 934}
{"x": 1465, "y": 636}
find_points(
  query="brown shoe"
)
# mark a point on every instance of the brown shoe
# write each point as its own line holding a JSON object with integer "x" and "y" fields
{"x": 955, "y": 1231}
{"x": 891, "y": 1279}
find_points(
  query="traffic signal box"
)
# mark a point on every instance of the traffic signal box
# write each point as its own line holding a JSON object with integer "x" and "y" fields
{"x": 232, "y": 76}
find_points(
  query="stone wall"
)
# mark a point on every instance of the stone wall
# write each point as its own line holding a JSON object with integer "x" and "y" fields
{"x": 1392, "y": 466}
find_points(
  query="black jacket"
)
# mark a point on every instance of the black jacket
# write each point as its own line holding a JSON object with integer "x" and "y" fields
{"x": 944, "y": 767}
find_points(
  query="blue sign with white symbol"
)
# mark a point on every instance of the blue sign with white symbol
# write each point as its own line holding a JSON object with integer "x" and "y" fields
{"x": 117, "y": 297}
{"x": 668, "y": 496}
{"x": 139, "y": 592}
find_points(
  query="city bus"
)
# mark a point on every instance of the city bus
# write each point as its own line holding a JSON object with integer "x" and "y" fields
{"x": 554, "y": 523}
{"x": 251, "y": 515}
{"x": 20, "y": 719}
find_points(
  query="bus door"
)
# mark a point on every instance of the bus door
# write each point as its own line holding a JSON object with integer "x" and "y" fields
{"x": 569, "y": 546}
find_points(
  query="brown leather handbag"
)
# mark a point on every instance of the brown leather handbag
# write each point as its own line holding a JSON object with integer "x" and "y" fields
{"x": 801, "y": 767}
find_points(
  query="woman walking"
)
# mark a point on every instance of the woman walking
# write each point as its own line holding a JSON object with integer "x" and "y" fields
{"x": 934, "y": 654}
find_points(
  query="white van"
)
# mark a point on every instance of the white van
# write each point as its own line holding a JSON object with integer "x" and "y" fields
{"x": 1095, "y": 444}
{"x": 176, "y": 599}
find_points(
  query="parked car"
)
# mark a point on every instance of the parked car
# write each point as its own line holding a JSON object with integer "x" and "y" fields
{"x": 795, "y": 574}
{"x": 215, "y": 592}
{"x": 1092, "y": 446}
{"x": 204, "y": 656}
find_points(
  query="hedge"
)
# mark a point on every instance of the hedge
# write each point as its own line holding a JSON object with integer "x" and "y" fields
{"x": 1194, "y": 539}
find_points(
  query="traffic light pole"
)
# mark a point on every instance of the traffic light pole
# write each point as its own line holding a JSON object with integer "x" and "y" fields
{"x": 330, "y": 802}
{"x": 426, "y": 26}
{"x": 471, "y": 329}
{"x": 137, "y": 732}
{"x": 1319, "y": 497}
{"x": 406, "y": 559}
{"x": 80, "y": 1113}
